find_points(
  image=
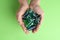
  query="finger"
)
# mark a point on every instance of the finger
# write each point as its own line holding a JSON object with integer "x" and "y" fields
{"x": 36, "y": 28}
{"x": 24, "y": 29}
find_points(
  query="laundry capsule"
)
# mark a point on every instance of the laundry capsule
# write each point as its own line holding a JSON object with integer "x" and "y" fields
{"x": 31, "y": 19}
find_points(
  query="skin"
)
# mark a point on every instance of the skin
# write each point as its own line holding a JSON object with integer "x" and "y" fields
{"x": 34, "y": 5}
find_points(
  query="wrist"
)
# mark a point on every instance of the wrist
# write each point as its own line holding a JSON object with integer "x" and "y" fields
{"x": 33, "y": 6}
{"x": 24, "y": 6}
{"x": 35, "y": 2}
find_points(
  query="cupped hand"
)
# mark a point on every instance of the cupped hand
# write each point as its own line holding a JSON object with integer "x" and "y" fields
{"x": 39, "y": 11}
{"x": 20, "y": 13}
{"x": 34, "y": 5}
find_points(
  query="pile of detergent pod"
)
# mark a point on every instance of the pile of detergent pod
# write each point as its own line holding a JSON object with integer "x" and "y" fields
{"x": 31, "y": 19}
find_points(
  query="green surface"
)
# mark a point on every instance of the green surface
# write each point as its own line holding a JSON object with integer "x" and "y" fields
{"x": 10, "y": 29}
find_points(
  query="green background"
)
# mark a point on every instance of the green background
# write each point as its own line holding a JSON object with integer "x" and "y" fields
{"x": 10, "y": 29}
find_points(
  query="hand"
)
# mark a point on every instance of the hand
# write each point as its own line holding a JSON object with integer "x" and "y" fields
{"x": 20, "y": 12}
{"x": 36, "y": 8}
{"x": 34, "y": 5}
